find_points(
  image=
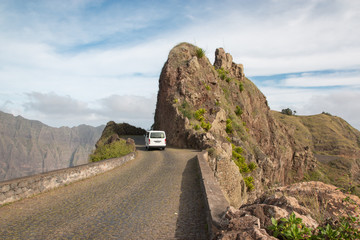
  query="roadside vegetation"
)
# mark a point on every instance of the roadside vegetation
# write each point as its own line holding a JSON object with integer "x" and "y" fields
{"x": 113, "y": 150}
{"x": 244, "y": 167}
{"x": 292, "y": 228}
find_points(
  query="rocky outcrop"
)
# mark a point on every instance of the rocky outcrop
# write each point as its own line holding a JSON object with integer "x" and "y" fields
{"x": 29, "y": 147}
{"x": 316, "y": 203}
{"x": 216, "y": 107}
{"x": 113, "y": 131}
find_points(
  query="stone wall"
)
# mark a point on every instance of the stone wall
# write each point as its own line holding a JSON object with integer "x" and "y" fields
{"x": 217, "y": 205}
{"x": 19, "y": 188}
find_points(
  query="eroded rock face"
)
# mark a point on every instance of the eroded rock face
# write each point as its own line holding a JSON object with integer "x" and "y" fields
{"x": 315, "y": 203}
{"x": 30, "y": 147}
{"x": 234, "y": 112}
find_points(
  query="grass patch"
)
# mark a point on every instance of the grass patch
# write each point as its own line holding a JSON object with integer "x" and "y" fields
{"x": 185, "y": 109}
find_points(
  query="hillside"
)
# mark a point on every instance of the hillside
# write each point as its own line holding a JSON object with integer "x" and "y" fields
{"x": 251, "y": 148}
{"x": 28, "y": 147}
{"x": 335, "y": 144}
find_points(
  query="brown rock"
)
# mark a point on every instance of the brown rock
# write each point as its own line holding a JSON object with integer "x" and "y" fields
{"x": 188, "y": 84}
{"x": 113, "y": 138}
{"x": 305, "y": 199}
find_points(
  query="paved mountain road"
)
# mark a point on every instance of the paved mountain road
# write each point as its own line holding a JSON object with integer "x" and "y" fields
{"x": 155, "y": 196}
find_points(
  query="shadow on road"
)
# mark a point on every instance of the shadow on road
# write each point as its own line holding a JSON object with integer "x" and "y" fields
{"x": 191, "y": 222}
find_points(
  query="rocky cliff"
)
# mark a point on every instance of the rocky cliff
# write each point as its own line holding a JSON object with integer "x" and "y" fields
{"x": 216, "y": 107}
{"x": 28, "y": 147}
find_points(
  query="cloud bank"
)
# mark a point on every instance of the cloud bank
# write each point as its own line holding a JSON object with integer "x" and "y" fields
{"x": 88, "y": 61}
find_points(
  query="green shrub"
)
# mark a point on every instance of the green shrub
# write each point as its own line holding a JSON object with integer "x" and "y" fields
{"x": 238, "y": 111}
{"x": 196, "y": 127}
{"x": 293, "y": 228}
{"x": 200, "y": 52}
{"x": 239, "y": 160}
{"x": 287, "y": 111}
{"x": 113, "y": 150}
{"x": 289, "y": 228}
{"x": 229, "y": 128}
{"x": 207, "y": 87}
{"x": 205, "y": 125}
{"x": 249, "y": 183}
{"x": 252, "y": 166}
{"x": 241, "y": 87}
{"x": 199, "y": 114}
{"x": 326, "y": 113}
{"x": 228, "y": 79}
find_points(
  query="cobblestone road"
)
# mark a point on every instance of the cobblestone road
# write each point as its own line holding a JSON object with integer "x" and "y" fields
{"x": 155, "y": 196}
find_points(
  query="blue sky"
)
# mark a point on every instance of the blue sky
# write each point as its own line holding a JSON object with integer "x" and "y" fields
{"x": 67, "y": 63}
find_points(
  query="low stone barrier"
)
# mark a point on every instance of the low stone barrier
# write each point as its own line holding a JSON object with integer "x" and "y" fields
{"x": 217, "y": 205}
{"x": 19, "y": 188}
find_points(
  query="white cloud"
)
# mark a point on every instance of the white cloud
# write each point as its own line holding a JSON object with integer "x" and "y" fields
{"x": 58, "y": 110}
{"x": 344, "y": 104}
{"x": 54, "y": 105}
{"x": 93, "y": 55}
{"x": 349, "y": 79}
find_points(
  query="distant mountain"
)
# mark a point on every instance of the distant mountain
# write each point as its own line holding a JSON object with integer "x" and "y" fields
{"x": 335, "y": 144}
{"x": 29, "y": 147}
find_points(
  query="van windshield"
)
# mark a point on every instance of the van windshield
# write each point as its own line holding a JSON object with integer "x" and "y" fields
{"x": 157, "y": 135}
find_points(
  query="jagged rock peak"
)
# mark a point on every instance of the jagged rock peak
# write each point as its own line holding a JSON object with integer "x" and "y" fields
{"x": 205, "y": 106}
{"x": 225, "y": 61}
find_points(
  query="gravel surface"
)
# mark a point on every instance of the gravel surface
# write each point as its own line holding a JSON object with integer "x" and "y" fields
{"x": 155, "y": 196}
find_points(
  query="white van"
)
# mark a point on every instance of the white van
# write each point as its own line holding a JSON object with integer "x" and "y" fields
{"x": 155, "y": 139}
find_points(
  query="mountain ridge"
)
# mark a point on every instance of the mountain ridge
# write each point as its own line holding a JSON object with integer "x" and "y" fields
{"x": 29, "y": 147}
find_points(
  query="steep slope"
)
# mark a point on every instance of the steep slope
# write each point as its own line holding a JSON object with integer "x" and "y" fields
{"x": 335, "y": 144}
{"x": 216, "y": 107}
{"x": 28, "y": 147}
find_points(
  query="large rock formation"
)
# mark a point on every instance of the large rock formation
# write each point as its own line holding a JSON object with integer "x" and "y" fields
{"x": 29, "y": 147}
{"x": 113, "y": 131}
{"x": 213, "y": 107}
{"x": 316, "y": 203}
